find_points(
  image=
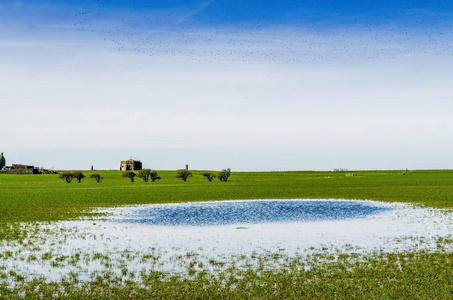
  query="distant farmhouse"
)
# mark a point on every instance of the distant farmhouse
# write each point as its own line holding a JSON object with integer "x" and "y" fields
{"x": 131, "y": 165}
{"x": 23, "y": 169}
{"x": 16, "y": 168}
{"x": 20, "y": 169}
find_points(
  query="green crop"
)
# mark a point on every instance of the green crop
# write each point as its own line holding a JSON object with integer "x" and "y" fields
{"x": 380, "y": 276}
{"x": 28, "y": 199}
{"x": 46, "y": 198}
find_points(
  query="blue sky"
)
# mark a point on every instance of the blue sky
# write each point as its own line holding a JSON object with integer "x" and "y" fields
{"x": 338, "y": 29}
{"x": 254, "y": 13}
{"x": 250, "y": 85}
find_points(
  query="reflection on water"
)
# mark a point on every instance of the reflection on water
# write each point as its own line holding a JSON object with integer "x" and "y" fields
{"x": 250, "y": 212}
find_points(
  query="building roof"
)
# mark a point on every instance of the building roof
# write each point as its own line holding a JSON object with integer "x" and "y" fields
{"x": 130, "y": 160}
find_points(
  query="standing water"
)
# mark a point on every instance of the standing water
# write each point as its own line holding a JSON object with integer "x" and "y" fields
{"x": 250, "y": 212}
{"x": 176, "y": 237}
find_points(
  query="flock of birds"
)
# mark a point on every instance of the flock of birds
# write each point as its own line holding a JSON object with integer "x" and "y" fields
{"x": 203, "y": 32}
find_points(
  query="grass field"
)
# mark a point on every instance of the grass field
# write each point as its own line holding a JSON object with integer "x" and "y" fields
{"x": 38, "y": 198}
{"x": 48, "y": 198}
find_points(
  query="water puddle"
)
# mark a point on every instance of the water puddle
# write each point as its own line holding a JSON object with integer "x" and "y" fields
{"x": 250, "y": 212}
{"x": 177, "y": 237}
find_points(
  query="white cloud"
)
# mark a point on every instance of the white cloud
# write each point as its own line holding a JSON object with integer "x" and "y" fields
{"x": 80, "y": 94}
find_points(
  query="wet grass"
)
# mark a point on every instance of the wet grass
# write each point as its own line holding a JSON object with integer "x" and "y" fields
{"x": 381, "y": 276}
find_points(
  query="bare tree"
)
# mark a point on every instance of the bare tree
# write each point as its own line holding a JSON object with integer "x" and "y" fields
{"x": 78, "y": 175}
{"x": 130, "y": 175}
{"x": 209, "y": 176}
{"x": 224, "y": 174}
{"x": 96, "y": 176}
{"x": 68, "y": 176}
{"x": 144, "y": 174}
{"x": 183, "y": 174}
{"x": 154, "y": 176}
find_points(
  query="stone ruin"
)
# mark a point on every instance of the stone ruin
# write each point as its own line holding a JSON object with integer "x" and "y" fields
{"x": 131, "y": 165}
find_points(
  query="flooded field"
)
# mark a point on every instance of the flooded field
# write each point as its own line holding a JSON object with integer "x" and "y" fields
{"x": 218, "y": 213}
{"x": 211, "y": 236}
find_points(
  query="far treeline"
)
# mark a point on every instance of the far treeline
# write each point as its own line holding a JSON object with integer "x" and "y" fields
{"x": 145, "y": 174}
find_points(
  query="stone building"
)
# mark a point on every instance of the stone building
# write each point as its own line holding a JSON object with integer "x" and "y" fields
{"x": 130, "y": 165}
{"x": 23, "y": 169}
{"x": 19, "y": 169}
{"x": 2, "y": 161}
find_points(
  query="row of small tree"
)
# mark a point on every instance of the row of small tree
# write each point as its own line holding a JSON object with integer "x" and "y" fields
{"x": 222, "y": 175}
{"x": 146, "y": 175}
{"x": 69, "y": 176}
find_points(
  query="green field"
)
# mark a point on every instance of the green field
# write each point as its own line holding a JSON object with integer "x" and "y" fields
{"x": 48, "y": 198}
{"x": 38, "y": 198}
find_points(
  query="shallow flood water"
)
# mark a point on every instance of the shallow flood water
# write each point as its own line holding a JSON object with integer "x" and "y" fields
{"x": 175, "y": 237}
{"x": 226, "y": 228}
{"x": 250, "y": 212}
